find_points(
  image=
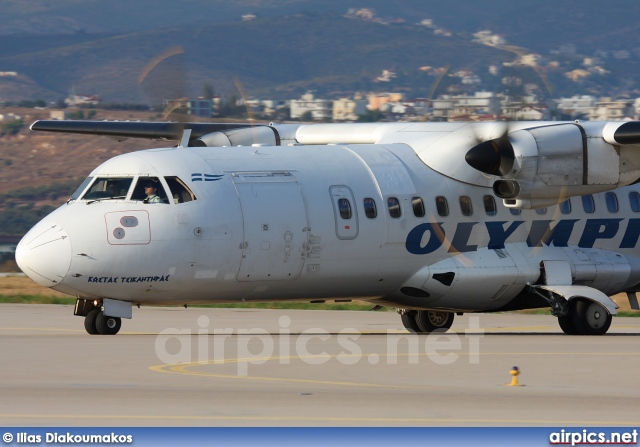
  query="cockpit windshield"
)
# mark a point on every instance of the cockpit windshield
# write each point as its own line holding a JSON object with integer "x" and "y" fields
{"x": 145, "y": 189}
{"x": 149, "y": 190}
{"x": 81, "y": 188}
{"x": 106, "y": 188}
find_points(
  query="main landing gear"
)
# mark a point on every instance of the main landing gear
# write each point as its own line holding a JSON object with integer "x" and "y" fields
{"x": 578, "y": 315}
{"x": 95, "y": 321}
{"x": 585, "y": 317}
{"x": 426, "y": 321}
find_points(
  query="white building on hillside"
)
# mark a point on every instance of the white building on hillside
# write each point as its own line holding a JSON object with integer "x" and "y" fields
{"x": 577, "y": 105}
{"x": 478, "y": 103}
{"x": 320, "y": 109}
{"x": 345, "y": 109}
{"x": 607, "y": 109}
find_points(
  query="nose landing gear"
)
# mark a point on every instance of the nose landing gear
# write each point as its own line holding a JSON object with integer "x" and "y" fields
{"x": 95, "y": 321}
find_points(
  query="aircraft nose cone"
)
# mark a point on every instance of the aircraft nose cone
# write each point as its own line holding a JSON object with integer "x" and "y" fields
{"x": 44, "y": 254}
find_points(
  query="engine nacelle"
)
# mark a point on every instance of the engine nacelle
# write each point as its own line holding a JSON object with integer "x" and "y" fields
{"x": 264, "y": 135}
{"x": 542, "y": 166}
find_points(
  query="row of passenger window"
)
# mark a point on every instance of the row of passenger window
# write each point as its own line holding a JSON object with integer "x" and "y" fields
{"x": 489, "y": 203}
{"x": 589, "y": 205}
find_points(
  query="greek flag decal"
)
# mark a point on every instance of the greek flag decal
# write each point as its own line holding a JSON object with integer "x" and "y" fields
{"x": 198, "y": 177}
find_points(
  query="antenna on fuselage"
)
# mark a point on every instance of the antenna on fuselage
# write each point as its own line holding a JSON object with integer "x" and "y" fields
{"x": 186, "y": 135}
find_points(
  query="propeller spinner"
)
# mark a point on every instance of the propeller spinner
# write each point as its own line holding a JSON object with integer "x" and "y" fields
{"x": 493, "y": 157}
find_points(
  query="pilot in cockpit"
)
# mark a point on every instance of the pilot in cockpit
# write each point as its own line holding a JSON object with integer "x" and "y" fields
{"x": 150, "y": 189}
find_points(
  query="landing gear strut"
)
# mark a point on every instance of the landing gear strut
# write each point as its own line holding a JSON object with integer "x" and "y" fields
{"x": 426, "y": 321}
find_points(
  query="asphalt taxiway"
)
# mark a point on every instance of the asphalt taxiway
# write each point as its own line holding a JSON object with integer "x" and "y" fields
{"x": 228, "y": 367}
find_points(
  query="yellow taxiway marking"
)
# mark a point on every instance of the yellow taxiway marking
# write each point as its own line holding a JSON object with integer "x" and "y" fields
{"x": 184, "y": 368}
{"x": 333, "y": 419}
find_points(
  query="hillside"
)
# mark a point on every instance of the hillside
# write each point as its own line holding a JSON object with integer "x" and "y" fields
{"x": 296, "y": 45}
{"x": 347, "y": 55}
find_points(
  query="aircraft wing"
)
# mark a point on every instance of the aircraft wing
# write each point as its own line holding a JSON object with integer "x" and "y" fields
{"x": 135, "y": 129}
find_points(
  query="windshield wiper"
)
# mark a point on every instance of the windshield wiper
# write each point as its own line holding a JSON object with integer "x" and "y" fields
{"x": 105, "y": 198}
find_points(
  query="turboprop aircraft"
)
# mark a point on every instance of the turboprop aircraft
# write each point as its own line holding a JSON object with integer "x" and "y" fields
{"x": 434, "y": 219}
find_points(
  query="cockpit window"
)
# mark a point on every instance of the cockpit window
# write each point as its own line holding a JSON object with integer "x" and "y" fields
{"x": 180, "y": 192}
{"x": 108, "y": 188}
{"x": 149, "y": 190}
{"x": 81, "y": 188}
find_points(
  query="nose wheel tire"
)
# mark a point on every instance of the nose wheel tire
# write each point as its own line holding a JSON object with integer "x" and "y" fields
{"x": 107, "y": 325}
{"x": 90, "y": 322}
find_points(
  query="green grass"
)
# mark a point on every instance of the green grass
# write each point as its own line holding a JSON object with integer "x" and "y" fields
{"x": 37, "y": 299}
{"x": 622, "y": 313}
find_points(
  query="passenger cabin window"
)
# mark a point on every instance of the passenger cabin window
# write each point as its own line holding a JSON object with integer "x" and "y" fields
{"x": 442, "y": 206}
{"x": 612, "y": 202}
{"x": 418, "y": 207}
{"x": 345, "y": 208}
{"x": 515, "y": 211}
{"x": 107, "y": 188}
{"x": 370, "y": 209}
{"x": 565, "y": 207}
{"x": 180, "y": 192}
{"x": 634, "y": 201}
{"x": 465, "y": 206}
{"x": 394, "y": 207}
{"x": 541, "y": 210}
{"x": 490, "y": 205}
{"x": 149, "y": 190}
{"x": 588, "y": 204}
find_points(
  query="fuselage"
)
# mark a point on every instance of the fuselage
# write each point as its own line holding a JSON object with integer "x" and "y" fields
{"x": 368, "y": 221}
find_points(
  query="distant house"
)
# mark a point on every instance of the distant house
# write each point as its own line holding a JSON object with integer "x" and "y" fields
{"x": 377, "y": 99}
{"x": 200, "y": 107}
{"x": 577, "y": 106}
{"x": 320, "y": 109}
{"x": 345, "y": 109}
{"x": 607, "y": 109}
{"x": 76, "y": 100}
{"x": 386, "y": 76}
{"x": 58, "y": 115}
{"x": 480, "y": 103}
{"x": 532, "y": 113}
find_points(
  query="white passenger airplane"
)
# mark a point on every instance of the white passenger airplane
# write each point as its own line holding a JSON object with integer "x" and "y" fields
{"x": 431, "y": 218}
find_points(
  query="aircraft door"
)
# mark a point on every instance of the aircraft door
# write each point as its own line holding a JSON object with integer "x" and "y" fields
{"x": 275, "y": 226}
{"x": 345, "y": 212}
